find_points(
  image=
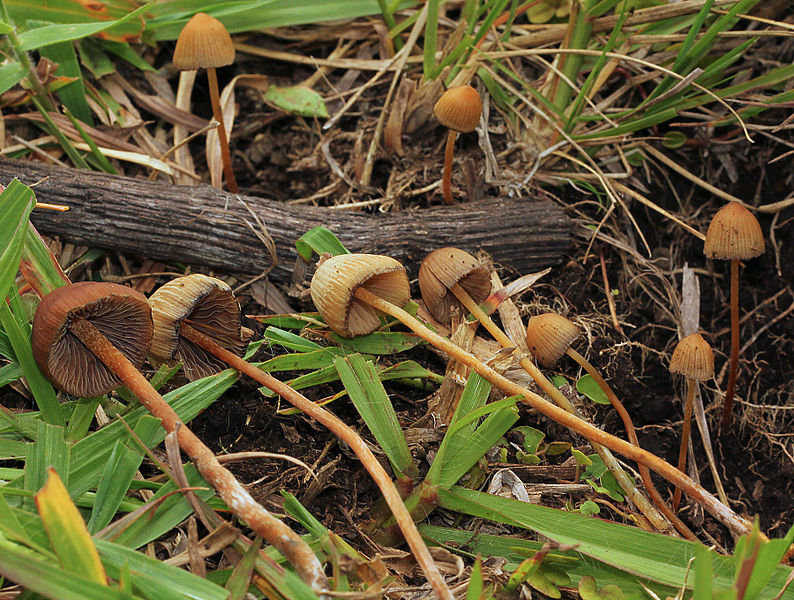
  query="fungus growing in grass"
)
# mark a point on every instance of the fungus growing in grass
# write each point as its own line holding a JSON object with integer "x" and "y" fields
{"x": 205, "y": 43}
{"x": 693, "y": 359}
{"x": 441, "y": 271}
{"x": 333, "y": 278}
{"x": 90, "y": 337}
{"x": 734, "y": 234}
{"x": 458, "y": 110}
{"x": 197, "y": 318}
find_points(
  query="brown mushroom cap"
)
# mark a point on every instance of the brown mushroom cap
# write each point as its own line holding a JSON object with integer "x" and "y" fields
{"x": 548, "y": 336}
{"x": 693, "y": 358}
{"x": 336, "y": 281}
{"x": 209, "y": 306}
{"x": 734, "y": 233}
{"x": 443, "y": 268}
{"x": 203, "y": 43}
{"x": 459, "y": 109}
{"x": 120, "y": 313}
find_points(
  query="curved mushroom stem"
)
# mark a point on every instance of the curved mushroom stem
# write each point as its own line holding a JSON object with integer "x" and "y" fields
{"x": 688, "y": 407}
{"x": 236, "y": 497}
{"x": 226, "y": 156}
{"x": 723, "y": 513}
{"x": 625, "y": 482}
{"x": 645, "y": 473}
{"x": 727, "y": 407}
{"x": 446, "y": 182}
{"x": 347, "y": 435}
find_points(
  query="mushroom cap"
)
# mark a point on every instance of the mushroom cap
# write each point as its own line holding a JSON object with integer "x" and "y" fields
{"x": 443, "y": 268}
{"x": 336, "y": 280}
{"x": 459, "y": 109}
{"x": 693, "y": 358}
{"x": 734, "y": 233}
{"x": 548, "y": 337}
{"x": 203, "y": 43}
{"x": 209, "y": 307}
{"x": 120, "y": 313}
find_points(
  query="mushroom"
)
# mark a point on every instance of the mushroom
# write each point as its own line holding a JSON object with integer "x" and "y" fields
{"x": 693, "y": 359}
{"x": 205, "y": 43}
{"x": 549, "y": 337}
{"x": 458, "y": 110}
{"x": 89, "y": 337}
{"x": 734, "y": 234}
{"x": 333, "y": 278}
{"x": 197, "y": 318}
{"x": 448, "y": 269}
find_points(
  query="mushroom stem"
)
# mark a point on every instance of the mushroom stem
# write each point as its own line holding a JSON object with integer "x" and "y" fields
{"x": 347, "y": 435}
{"x": 236, "y": 497}
{"x": 446, "y": 182}
{"x": 215, "y": 100}
{"x": 723, "y": 513}
{"x": 625, "y": 482}
{"x": 688, "y": 408}
{"x": 727, "y": 406}
{"x": 645, "y": 473}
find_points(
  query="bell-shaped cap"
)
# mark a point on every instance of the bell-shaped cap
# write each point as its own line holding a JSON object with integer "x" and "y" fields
{"x": 734, "y": 233}
{"x": 442, "y": 269}
{"x": 206, "y": 304}
{"x": 548, "y": 337}
{"x": 336, "y": 281}
{"x": 459, "y": 109}
{"x": 120, "y": 313}
{"x": 203, "y": 43}
{"x": 693, "y": 358}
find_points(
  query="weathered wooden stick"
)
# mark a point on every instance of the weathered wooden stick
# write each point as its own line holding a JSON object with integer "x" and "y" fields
{"x": 200, "y": 225}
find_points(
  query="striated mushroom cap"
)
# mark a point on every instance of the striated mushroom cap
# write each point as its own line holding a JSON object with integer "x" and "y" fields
{"x": 203, "y": 43}
{"x": 734, "y": 233}
{"x": 443, "y": 268}
{"x": 338, "y": 278}
{"x": 459, "y": 109}
{"x": 548, "y": 336}
{"x": 693, "y": 358}
{"x": 206, "y": 304}
{"x": 120, "y": 313}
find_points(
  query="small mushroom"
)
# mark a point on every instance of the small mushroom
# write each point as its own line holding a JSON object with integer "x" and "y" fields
{"x": 441, "y": 271}
{"x": 205, "y": 43}
{"x": 734, "y": 234}
{"x": 693, "y": 359}
{"x": 458, "y": 110}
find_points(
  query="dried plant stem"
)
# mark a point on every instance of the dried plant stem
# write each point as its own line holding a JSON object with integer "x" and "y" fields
{"x": 446, "y": 182}
{"x": 727, "y": 406}
{"x": 626, "y": 483}
{"x": 217, "y": 113}
{"x": 347, "y": 435}
{"x": 723, "y": 513}
{"x": 688, "y": 407}
{"x": 239, "y": 501}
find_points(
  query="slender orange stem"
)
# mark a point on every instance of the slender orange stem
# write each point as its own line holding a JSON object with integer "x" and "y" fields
{"x": 236, "y": 497}
{"x": 727, "y": 407}
{"x": 689, "y": 406}
{"x": 723, "y": 513}
{"x": 226, "y": 156}
{"x": 446, "y": 182}
{"x": 350, "y": 437}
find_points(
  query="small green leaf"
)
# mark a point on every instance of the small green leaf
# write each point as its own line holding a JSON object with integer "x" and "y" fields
{"x": 559, "y": 381}
{"x": 319, "y": 239}
{"x": 297, "y": 100}
{"x": 673, "y": 139}
{"x": 589, "y": 508}
{"x": 588, "y": 387}
{"x": 581, "y": 458}
{"x": 532, "y": 438}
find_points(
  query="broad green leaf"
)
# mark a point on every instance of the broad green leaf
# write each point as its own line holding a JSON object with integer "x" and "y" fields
{"x": 297, "y": 100}
{"x": 378, "y": 342}
{"x": 10, "y": 75}
{"x": 16, "y": 203}
{"x": 587, "y": 386}
{"x": 48, "y": 451}
{"x": 319, "y": 240}
{"x": 73, "y": 94}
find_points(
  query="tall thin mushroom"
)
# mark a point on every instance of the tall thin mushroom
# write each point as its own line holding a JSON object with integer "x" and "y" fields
{"x": 90, "y": 337}
{"x": 734, "y": 234}
{"x": 196, "y": 316}
{"x": 347, "y": 277}
{"x": 205, "y": 43}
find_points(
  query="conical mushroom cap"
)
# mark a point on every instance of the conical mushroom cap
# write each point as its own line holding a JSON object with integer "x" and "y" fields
{"x": 203, "y": 43}
{"x": 734, "y": 233}
{"x": 443, "y": 268}
{"x": 120, "y": 313}
{"x": 693, "y": 358}
{"x": 459, "y": 109}
{"x": 206, "y": 304}
{"x": 548, "y": 337}
{"x": 336, "y": 281}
